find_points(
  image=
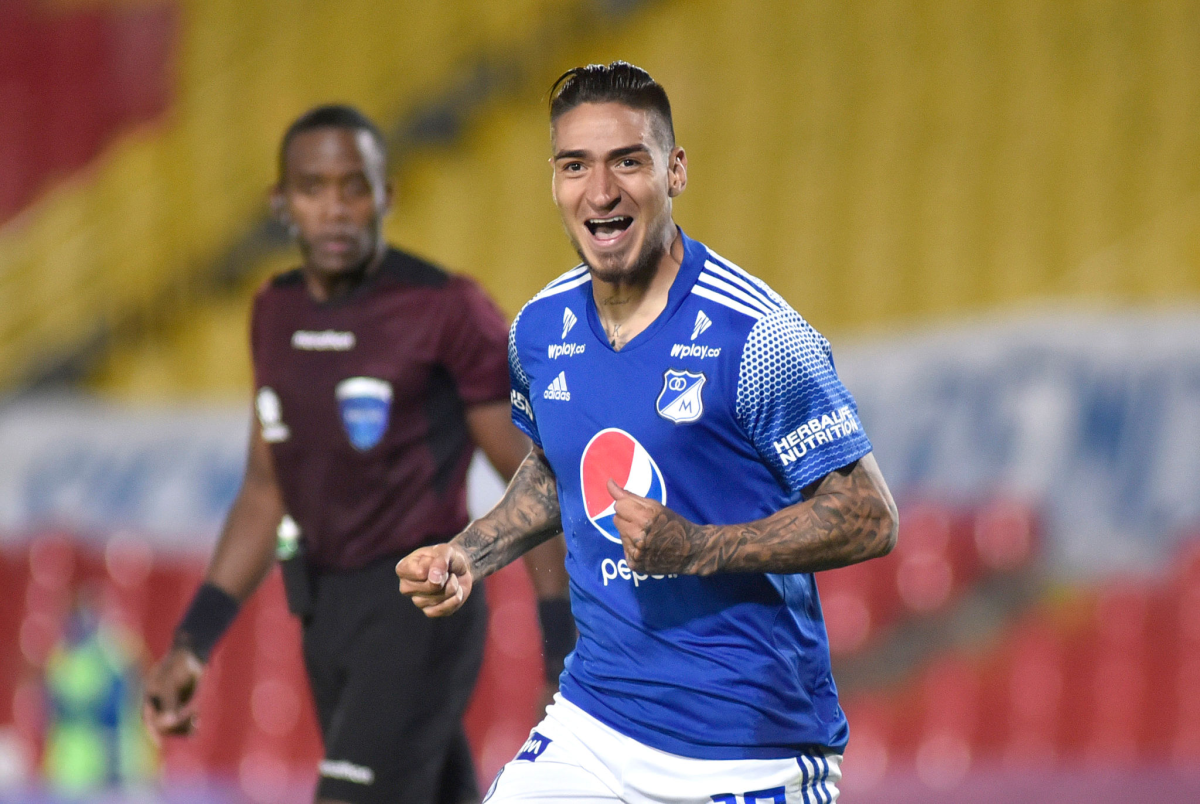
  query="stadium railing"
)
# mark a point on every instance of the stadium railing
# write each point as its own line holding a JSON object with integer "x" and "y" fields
{"x": 257, "y": 727}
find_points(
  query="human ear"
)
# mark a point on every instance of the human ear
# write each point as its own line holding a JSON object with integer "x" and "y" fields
{"x": 677, "y": 172}
{"x": 279, "y": 212}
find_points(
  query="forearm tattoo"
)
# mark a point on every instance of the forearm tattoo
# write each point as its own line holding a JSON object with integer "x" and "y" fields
{"x": 849, "y": 517}
{"x": 526, "y": 516}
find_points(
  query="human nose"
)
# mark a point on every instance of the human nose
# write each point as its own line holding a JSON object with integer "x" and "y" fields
{"x": 603, "y": 192}
{"x": 334, "y": 204}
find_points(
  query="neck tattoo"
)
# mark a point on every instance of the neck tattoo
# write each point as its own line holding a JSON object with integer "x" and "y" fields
{"x": 612, "y": 339}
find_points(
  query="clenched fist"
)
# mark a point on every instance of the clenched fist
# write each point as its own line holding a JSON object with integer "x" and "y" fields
{"x": 657, "y": 540}
{"x": 437, "y": 578}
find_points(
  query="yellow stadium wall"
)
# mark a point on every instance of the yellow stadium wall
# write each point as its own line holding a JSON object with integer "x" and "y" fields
{"x": 879, "y": 163}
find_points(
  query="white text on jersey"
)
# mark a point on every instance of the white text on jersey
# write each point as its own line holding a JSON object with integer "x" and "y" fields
{"x": 519, "y": 402}
{"x": 328, "y": 340}
{"x": 557, "y": 350}
{"x": 695, "y": 350}
{"x": 815, "y": 432}
{"x": 611, "y": 570}
{"x": 558, "y": 389}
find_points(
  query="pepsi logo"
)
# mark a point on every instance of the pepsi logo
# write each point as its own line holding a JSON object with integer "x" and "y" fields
{"x": 615, "y": 454}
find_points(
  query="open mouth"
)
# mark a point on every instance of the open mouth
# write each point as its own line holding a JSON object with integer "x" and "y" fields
{"x": 608, "y": 228}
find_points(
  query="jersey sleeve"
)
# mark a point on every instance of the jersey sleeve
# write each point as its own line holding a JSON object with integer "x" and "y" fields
{"x": 791, "y": 404}
{"x": 257, "y": 325}
{"x": 522, "y": 410}
{"x": 473, "y": 344}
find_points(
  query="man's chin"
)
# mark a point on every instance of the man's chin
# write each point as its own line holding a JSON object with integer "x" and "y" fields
{"x": 623, "y": 269}
{"x": 612, "y": 271}
{"x": 339, "y": 266}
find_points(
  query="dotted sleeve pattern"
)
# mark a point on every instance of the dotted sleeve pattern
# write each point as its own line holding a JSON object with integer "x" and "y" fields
{"x": 522, "y": 409}
{"x": 790, "y": 402}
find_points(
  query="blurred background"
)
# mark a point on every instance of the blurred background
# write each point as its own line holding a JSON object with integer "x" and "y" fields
{"x": 991, "y": 207}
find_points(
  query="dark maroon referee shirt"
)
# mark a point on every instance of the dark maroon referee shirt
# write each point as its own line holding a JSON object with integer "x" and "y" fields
{"x": 362, "y": 401}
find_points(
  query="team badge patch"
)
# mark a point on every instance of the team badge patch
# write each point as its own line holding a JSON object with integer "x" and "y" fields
{"x": 270, "y": 416}
{"x": 534, "y": 746}
{"x": 615, "y": 454}
{"x": 365, "y": 404}
{"x": 680, "y": 400}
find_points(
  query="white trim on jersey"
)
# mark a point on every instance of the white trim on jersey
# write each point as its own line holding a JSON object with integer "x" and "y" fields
{"x": 743, "y": 280}
{"x": 578, "y": 270}
{"x": 732, "y": 290}
{"x": 712, "y": 295}
{"x": 554, "y": 291}
{"x": 573, "y": 278}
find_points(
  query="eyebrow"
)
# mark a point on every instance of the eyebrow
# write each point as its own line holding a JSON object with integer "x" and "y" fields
{"x": 616, "y": 153}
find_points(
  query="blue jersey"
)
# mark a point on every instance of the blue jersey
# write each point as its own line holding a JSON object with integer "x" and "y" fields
{"x": 723, "y": 409}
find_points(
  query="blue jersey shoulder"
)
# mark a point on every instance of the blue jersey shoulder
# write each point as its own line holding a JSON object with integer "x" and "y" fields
{"x": 533, "y": 317}
{"x": 789, "y": 400}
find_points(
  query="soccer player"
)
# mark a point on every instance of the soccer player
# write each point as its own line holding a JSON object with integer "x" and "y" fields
{"x": 376, "y": 374}
{"x": 693, "y": 441}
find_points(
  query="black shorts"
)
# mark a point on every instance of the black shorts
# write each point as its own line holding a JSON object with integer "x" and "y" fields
{"x": 391, "y": 686}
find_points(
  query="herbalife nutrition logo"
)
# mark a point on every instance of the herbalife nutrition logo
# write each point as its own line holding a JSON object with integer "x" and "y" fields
{"x": 703, "y": 322}
{"x": 558, "y": 389}
{"x": 569, "y": 319}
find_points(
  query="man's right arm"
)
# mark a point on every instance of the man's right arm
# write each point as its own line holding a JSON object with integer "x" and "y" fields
{"x": 243, "y": 557}
{"x": 439, "y": 578}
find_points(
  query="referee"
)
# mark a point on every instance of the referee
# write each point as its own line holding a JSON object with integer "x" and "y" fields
{"x": 376, "y": 375}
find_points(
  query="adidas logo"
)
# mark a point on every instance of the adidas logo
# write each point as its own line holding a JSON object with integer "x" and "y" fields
{"x": 569, "y": 319}
{"x": 703, "y": 322}
{"x": 558, "y": 389}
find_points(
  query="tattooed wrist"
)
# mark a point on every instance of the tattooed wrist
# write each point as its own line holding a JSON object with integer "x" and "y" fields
{"x": 526, "y": 516}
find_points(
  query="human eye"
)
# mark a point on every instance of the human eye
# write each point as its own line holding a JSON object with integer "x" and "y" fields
{"x": 358, "y": 186}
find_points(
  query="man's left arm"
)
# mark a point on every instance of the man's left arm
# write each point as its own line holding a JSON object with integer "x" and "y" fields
{"x": 846, "y": 517}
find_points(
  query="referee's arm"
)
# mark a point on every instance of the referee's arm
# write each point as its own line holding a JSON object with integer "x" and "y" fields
{"x": 244, "y": 555}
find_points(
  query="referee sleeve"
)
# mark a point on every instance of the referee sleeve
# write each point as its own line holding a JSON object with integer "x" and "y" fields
{"x": 474, "y": 343}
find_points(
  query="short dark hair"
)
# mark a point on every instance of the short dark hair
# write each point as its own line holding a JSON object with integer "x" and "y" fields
{"x": 333, "y": 115}
{"x": 618, "y": 82}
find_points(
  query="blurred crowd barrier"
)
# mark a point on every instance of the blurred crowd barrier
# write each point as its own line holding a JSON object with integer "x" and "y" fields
{"x": 1089, "y": 419}
{"x": 1090, "y": 692}
{"x": 257, "y": 740}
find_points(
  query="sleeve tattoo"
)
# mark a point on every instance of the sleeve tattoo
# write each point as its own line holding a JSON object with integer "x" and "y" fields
{"x": 527, "y": 515}
{"x": 848, "y": 516}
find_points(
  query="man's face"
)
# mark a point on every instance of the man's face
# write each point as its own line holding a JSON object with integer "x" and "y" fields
{"x": 333, "y": 196}
{"x": 613, "y": 183}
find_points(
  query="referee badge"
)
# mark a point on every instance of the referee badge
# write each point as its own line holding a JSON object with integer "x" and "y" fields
{"x": 365, "y": 404}
{"x": 680, "y": 400}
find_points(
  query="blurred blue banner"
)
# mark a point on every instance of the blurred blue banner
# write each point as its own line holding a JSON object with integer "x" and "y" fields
{"x": 1094, "y": 418}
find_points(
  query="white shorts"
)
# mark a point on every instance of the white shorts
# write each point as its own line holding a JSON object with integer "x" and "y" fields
{"x": 572, "y": 757}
